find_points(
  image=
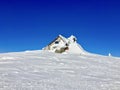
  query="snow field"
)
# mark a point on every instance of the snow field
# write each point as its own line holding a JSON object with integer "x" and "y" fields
{"x": 42, "y": 70}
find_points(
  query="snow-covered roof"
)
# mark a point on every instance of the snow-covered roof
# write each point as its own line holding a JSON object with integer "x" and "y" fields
{"x": 63, "y": 38}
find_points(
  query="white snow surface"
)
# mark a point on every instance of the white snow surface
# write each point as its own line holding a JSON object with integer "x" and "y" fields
{"x": 43, "y": 70}
{"x": 75, "y": 48}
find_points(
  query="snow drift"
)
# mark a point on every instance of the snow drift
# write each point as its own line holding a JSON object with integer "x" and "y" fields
{"x": 42, "y": 70}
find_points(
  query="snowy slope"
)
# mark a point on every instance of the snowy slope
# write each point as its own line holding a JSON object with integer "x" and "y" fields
{"x": 42, "y": 70}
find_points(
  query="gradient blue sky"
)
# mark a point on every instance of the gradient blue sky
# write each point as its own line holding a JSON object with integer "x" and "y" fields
{"x": 32, "y": 24}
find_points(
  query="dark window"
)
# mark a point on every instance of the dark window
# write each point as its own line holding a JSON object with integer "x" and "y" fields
{"x": 56, "y": 42}
{"x": 74, "y": 39}
{"x": 66, "y": 44}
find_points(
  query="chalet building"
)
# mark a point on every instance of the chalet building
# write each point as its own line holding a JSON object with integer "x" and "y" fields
{"x": 59, "y": 44}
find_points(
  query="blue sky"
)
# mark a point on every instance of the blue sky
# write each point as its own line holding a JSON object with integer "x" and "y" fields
{"x": 32, "y": 24}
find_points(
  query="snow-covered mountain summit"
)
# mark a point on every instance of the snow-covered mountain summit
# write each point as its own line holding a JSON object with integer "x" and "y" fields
{"x": 68, "y": 45}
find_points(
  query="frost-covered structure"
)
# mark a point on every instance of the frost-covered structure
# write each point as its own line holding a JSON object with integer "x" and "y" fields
{"x": 61, "y": 44}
